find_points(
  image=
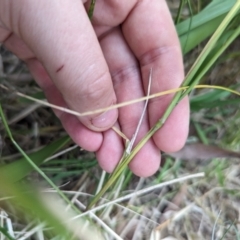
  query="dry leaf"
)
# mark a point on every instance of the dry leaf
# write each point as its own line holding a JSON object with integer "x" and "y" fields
{"x": 199, "y": 151}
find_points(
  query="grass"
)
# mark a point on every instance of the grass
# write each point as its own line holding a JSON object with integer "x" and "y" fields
{"x": 203, "y": 207}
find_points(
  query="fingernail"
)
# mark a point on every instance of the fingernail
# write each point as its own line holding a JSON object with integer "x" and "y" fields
{"x": 105, "y": 120}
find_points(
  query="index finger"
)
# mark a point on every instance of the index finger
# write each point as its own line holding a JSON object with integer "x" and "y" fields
{"x": 150, "y": 32}
{"x": 61, "y": 37}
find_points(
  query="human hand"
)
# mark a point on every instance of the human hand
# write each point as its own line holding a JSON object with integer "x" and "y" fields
{"x": 87, "y": 66}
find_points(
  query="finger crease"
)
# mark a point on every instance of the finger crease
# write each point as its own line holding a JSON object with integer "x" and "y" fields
{"x": 123, "y": 74}
{"x": 154, "y": 54}
{"x": 8, "y": 37}
{"x": 60, "y": 68}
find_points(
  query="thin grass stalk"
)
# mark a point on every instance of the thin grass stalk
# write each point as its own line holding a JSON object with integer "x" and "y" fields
{"x": 119, "y": 105}
{"x": 144, "y": 191}
{"x": 209, "y": 46}
{"x": 34, "y": 166}
{"x": 190, "y": 25}
{"x": 182, "y": 2}
{"x": 215, "y": 57}
{"x": 227, "y": 230}
{"x": 215, "y": 225}
{"x": 126, "y": 159}
{"x": 177, "y": 97}
{"x": 6, "y": 234}
{"x": 91, "y": 9}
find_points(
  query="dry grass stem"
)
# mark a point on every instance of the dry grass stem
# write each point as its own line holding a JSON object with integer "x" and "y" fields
{"x": 131, "y": 143}
{"x": 143, "y": 191}
{"x": 175, "y": 90}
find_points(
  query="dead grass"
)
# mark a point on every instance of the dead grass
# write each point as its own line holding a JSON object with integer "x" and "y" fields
{"x": 200, "y": 208}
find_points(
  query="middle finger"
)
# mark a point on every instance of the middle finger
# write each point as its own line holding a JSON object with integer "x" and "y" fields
{"x": 126, "y": 77}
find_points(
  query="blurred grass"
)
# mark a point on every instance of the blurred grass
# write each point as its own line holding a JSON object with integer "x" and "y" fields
{"x": 185, "y": 211}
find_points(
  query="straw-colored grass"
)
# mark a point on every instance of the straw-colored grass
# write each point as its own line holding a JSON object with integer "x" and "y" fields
{"x": 183, "y": 200}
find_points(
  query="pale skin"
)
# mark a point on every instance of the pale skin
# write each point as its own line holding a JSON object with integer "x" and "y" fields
{"x": 87, "y": 65}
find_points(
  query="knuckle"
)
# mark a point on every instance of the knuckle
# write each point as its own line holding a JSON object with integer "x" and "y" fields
{"x": 156, "y": 53}
{"x": 96, "y": 88}
{"x": 125, "y": 74}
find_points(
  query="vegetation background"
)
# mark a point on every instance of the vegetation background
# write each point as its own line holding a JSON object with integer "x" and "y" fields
{"x": 48, "y": 203}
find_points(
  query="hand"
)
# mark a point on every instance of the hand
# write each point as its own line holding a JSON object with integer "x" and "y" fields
{"x": 87, "y": 66}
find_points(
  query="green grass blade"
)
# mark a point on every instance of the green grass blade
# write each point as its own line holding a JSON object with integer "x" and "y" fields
{"x": 201, "y": 134}
{"x": 202, "y": 69}
{"x": 185, "y": 45}
{"x": 203, "y": 24}
{"x": 197, "y": 35}
{"x": 34, "y": 166}
{"x": 209, "y": 105}
{"x": 214, "y": 10}
{"x": 20, "y": 168}
{"x": 26, "y": 196}
{"x": 179, "y": 12}
{"x": 213, "y": 95}
{"x": 5, "y": 233}
{"x": 190, "y": 80}
{"x": 91, "y": 9}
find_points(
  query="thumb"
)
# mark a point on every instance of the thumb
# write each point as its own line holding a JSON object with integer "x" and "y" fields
{"x": 61, "y": 37}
